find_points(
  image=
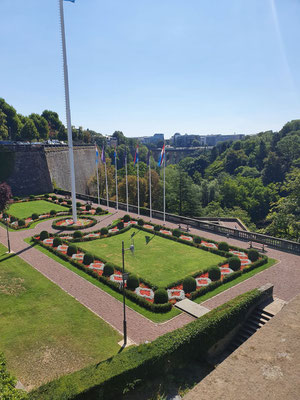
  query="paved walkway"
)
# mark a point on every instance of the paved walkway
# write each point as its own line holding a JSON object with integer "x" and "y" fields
{"x": 285, "y": 277}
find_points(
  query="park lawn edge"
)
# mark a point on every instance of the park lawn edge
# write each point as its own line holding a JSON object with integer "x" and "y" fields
{"x": 154, "y": 317}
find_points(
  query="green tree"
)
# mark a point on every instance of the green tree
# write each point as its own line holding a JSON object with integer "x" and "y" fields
{"x": 29, "y": 131}
{"x": 3, "y": 126}
{"x": 41, "y": 125}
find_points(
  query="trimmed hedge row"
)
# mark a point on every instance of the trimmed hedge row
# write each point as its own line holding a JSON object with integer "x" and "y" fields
{"x": 112, "y": 378}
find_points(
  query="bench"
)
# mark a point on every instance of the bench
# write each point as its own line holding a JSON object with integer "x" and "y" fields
{"x": 258, "y": 245}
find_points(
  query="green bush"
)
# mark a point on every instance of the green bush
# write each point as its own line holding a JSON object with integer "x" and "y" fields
{"x": 214, "y": 273}
{"x": 176, "y": 233}
{"x": 31, "y": 197}
{"x": 108, "y": 269}
{"x": 126, "y": 218}
{"x": 189, "y": 284}
{"x": 16, "y": 198}
{"x": 88, "y": 207}
{"x": 44, "y": 235}
{"x": 13, "y": 218}
{"x": 8, "y": 383}
{"x": 77, "y": 235}
{"x": 34, "y": 216}
{"x": 157, "y": 228}
{"x": 69, "y": 202}
{"x": 88, "y": 259}
{"x": 120, "y": 225}
{"x": 161, "y": 296}
{"x": 104, "y": 231}
{"x": 132, "y": 282}
{"x": 197, "y": 240}
{"x": 57, "y": 242}
{"x": 141, "y": 222}
{"x": 78, "y": 204}
{"x": 46, "y": 195}
{"x": 234, "y": 263}
{"x": 52, "y": 212}
{"x": 98, "y": 210}
{"x": 60, "y": 200}
{"x": 21, "y": 222}
{"x": 223, "y": 246}
{"x": 253, "y": 255}
{"x": 72, "y": 249}
{"x": 54, "y": 197}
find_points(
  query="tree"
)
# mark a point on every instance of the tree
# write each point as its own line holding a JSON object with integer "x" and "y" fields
{"x": 41, "y": 125}
{"x": 29, "y": 131}
{"x": 3, "y": 126}
{"x": 5, "y": 195}
{"x": 13, "y": 122}
{"x": 234, "y": 159}
{"x": 120, "y": 137}
{"x": 272, "y": 171}
{"x": 53, "y": 120}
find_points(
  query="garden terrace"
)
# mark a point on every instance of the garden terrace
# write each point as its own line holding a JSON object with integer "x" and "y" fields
{"x": 25, "y": 209}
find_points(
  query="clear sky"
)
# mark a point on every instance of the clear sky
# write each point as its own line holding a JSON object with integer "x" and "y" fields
{"x": 147, "y": 66}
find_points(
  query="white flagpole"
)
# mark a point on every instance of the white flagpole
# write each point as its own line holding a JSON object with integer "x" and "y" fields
{"x": 126, "y": 180}
{"x": 150, "y": 200}
{"x": 98, "y": 183}
{"x": 116, "y": 169}
{"x": 106, "y": 184}
{"x": 165, "y": 186}
{"x": 68, "y": 111}
{"x": 138, "y": 187}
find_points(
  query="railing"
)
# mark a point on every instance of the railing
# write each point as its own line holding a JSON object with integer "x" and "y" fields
{"x": 270, "y": 241}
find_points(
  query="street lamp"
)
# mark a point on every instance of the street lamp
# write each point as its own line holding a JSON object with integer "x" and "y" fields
{"x": 125, "y": 277}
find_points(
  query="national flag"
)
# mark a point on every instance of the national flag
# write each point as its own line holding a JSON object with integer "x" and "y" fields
{"x": 97, "y": 154}
{"x": 148, "y": 158}
{"x": 136, "y": 156}
{"x": 162, "y": 156}
{"x": 103, "y": 156}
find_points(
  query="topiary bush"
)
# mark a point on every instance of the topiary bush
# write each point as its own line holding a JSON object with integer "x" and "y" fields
{"x": 21, "y": 222}
{"x": 132, "y": 282}
{"x": 189, "y": 284}
{"x": 253, "y": 255}
{"x": 12, "y": 218}
{"x": 197, "y": 240}
{"x": 77, "y": 235}
{"x": 34, "y": 216}
{"x": 156, "y": 228}
{"x": 141, "y": 222}
{"x": 98, "y": 210}
{"x": 88, "y": 259}
{"x": 234, "y": 263}
{"x": 176, "y": 233}
{"x": 52, "y": 212}
{"x": 161, "y": 296}
{"x": 71, "y": 250}
{"x": 60, "y": 200}
{"x": 120, "y": 225}
{"x": 54, "y": 197}
{"x": 104, "y": 231}
{"x": 126, "y": 218}
{"x": 78, "y": 204}
{"x": 44, "y": 235}
{"x": 214, "y": 273}
{"x": 88, "y": 207}
{"x": 108, "y": 269}
{"x": 57, "y": 242}
{"x": 223, "y": 246}
{"x": 69, "y": 202}
{"x": 46, "y": 195}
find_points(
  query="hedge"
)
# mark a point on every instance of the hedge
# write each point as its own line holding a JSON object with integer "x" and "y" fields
{"x": 112, "y": 378}
{"x": 8, "y": 383}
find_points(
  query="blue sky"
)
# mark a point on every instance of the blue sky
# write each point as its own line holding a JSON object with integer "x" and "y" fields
{"x": 141, "y": 66}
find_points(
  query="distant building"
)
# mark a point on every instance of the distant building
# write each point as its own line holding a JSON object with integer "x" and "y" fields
{"x": 186, "y": 140}
{"x": 111, "y": 141}
{"x": 157, "y": 137}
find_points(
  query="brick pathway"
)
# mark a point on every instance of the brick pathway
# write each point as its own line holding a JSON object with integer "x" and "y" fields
{"x": 285, "y": 276}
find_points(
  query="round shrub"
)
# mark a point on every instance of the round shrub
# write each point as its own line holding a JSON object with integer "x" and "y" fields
{"x": 31, "y": 197}
{"x": 214, "y": 273}
{"x": 98, "y": 210}
{"x": 189, "y": 284}
{"x": 88, "y": 207}
{"x": 71, "y": 250}
{"x": 54, "y": 197}
{"x": 52, "y": 212}
{"x": 161, "y": 296}
{"x": 132, "y": 282}
{"x": 253, "y": 255}
{"x": 57, "y": 242}
{"x": 108, "y": 269}
{"x": 126, "y": 218}
{"x": 120, "y": 225}
{"x": 234, "y": 263}
{"x": 104, "y": 231}
{"x": 21, "y": 222}
{"x": 88, "y": 259}
{"x": 141, "y": 222}
{"x": 44, "y": 235}
{"x": 12, "y": 218}
{"x": 34, "y": 216}
{"x": 4, "y": 215}
{"x": 197, "y": 240}
{"x": 156, "y": 228}
{"x": 176, "y": 233}
{"x": 223, "y": 246}
{"x": 69, "y": 202}
{"x": 60, "y": 200}
{"x": 77, "y": 235}
{"x": 46, "y": 195}
{"x": 78, "y": 204}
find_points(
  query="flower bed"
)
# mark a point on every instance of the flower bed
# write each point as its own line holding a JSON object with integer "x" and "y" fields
{"x": 68, "y": 224}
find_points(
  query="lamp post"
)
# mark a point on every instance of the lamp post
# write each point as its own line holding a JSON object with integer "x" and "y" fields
{"x": 124, "y": 277}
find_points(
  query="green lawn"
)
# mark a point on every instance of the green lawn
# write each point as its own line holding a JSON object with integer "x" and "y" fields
{"x": 161, "y": 262}
{"x": 44, "y": 332}
{"x": 26, "y": 209}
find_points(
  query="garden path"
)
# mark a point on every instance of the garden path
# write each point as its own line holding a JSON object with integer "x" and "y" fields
{"x": 285, "y": 276}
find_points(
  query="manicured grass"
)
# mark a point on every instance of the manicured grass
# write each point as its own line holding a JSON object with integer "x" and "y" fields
{"x": 158, "y": 318}
{"x": 161, "y": 261}
{"x": 44, "y": 332}
{"x": 26, "y": 209}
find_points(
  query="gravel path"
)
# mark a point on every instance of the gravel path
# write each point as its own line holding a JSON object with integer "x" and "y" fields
{"x": 285, "y": 276}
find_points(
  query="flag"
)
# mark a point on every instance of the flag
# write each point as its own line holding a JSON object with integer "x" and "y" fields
{"x": 103, "y": 156}
{"x": 136, "y": 156}
{"x": 148, "y": 159}
{"x": 162, "y": 156}
{"x": 97, "y": 154}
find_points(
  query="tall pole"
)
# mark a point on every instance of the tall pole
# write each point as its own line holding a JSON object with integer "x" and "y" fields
{"x": 165, "y": 186}
{"x": 126, "y": 180}
{"x": 8, "y": 241}
{"x": 116, "y": 171}
{"x": 98, "y": 184}
{"x": 68, "y": 111}
{"x": 106, "y": 185}
{"x": 150, "y": 200}
{"x": 138, "y": 187}
{"x": 124, "y": 308}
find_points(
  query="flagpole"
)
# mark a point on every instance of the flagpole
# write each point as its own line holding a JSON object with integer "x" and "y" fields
{"x": 98, "y": 183}
{"x": 106, "y": 184}
{"x": 68, "y": 111}
{"x": 138, "y": 187}
{"x": 150, "y": 200}
{"x": 126, "y": 179}
{"x": 165, "y": 186}
{"x": 116, "y": 169}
